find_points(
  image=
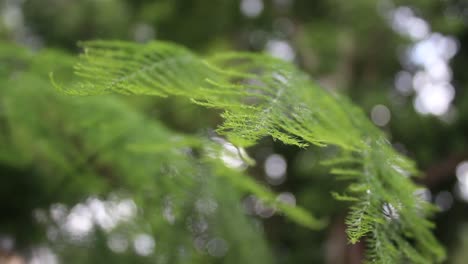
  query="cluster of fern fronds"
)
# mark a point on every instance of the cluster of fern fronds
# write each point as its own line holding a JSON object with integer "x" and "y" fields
{"x": 263, "y": 96}
{"x": 70, "y": 148}
{"x": 187, "y": 199}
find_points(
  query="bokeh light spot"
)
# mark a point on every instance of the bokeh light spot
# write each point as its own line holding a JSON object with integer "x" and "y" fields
{"x": 275, "y": 169}
{"x": 251, "y": 8}
{"x": 144, "y": 245}
{"x": 380, "y": 115}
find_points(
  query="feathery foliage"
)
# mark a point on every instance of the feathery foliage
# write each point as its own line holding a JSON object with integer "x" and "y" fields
{"x": 99, "y": 146}
{"x": 263, "y": 96}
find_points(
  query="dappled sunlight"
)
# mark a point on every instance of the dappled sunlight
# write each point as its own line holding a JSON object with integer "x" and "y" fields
{"x": 428, "y": 60}
{"x": 118, "y": 243}
{"x": 380, "y": 115}
{"x": 275, "y": 169}
{"x": 232, "y": 156}
{"x": 251, "y": 8}
{"x": 43, "y": 255}
{"x": 280, "y": 49}
{"x": 144, "y": 244}
{"x": 287, "y": 198}
{"x": 79, "y": 221}
{"x": 462, "y": 184}
{"x": 404, "y": 21}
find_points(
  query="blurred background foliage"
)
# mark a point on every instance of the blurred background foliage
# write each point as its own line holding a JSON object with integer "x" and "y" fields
{"x": 403, "y": 62}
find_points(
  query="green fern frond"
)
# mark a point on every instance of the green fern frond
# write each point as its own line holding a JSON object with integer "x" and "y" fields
{"x": 99, "y": 144}
{"x": 78, "y": 147}
{"x": 263, "y": 96}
